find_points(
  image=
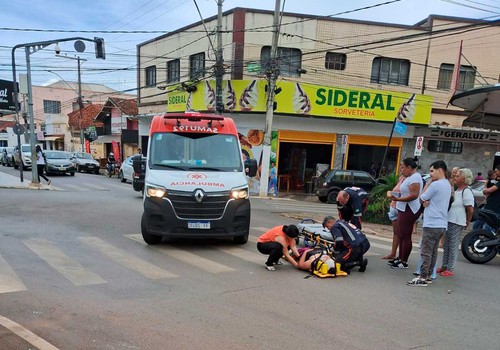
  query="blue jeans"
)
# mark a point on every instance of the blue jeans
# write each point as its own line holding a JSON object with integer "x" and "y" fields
{"x": 273, "y": 184}
{"x": 481, "y": 224}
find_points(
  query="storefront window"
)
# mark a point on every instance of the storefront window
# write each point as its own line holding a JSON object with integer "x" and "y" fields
{"x": 454, "y": 147}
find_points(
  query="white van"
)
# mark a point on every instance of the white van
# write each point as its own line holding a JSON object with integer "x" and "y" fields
{"x": 195, "y": 183}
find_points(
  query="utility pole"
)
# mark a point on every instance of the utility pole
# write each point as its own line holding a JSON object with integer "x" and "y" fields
{"x": 219, "y": 62}
{"x": 272, "y": 75}
{"x": 80, "y": 103}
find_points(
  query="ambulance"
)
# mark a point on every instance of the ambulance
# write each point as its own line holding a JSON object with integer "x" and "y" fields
{"x": 195, "y": 183}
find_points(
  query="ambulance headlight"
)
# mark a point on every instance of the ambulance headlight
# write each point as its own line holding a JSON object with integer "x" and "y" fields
{"x": 239, "y": 193}
{"x": 155, "y": 191}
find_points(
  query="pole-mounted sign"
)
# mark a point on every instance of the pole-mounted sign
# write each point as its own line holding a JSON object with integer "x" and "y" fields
{"x": 419, "y": 145}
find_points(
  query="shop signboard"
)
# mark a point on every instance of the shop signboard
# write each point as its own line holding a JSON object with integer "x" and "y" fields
{"x": 7, "y": 95}
{"x": 302, "y": 99}
{"x": 400, "y": 128}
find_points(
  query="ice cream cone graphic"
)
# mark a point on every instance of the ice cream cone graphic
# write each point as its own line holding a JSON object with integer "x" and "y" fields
{"x": 249, "y": 97}
{"x": 209, "y": 97}
{"x": 407, "y": 110}
{"x": 229, "y": 97}
{"x": 301, "y": 102}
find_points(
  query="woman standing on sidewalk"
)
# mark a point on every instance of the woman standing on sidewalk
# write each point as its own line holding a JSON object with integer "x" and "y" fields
{"x": 40, "y": 164}
{"x": 408, "y": 207}
{"x": 459, "y": 217}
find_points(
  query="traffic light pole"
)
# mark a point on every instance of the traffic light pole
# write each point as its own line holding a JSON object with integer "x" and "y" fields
{"x": 31, "y": 48}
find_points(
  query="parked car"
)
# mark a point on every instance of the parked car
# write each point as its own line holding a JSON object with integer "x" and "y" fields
{"x": 477, "y": 188}
{"x": 59, "y": 162}
{"x": 6, "y": 156}
{"x": 126, "y": 170}
{"x": 330, "y": 182}
{"x": 23, "y": 161}
{"x": 85, "y": 162}
{"x": 139, "y": 165}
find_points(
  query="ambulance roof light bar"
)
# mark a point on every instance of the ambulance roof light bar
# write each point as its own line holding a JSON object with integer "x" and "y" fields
{"x": 194, "y": 116}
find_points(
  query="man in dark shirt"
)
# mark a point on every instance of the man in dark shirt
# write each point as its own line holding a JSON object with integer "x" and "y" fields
{"x": 492, "y": 193}
{"x": 352, "y": 203}
{"x": 349, "y": 243}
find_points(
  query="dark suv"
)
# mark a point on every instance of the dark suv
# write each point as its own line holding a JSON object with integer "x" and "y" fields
{"x": 330, "y": 182}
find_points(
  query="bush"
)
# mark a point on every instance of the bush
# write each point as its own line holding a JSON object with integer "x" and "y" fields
{"x": 378, "y": 208}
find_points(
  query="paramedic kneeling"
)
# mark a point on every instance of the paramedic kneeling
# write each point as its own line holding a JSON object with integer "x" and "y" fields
{"x": 351, "y": 204}
{"x": 350, "y": 243}
{"x": 276, "y": 243}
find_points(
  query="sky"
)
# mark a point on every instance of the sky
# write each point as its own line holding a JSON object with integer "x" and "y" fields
{"x": 32, "y": 21}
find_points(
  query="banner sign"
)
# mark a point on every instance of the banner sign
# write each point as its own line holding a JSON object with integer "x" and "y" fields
{"x": 302, "y": 99}
{"x": 116, "y": 151}
{"x": 7, "y": 95}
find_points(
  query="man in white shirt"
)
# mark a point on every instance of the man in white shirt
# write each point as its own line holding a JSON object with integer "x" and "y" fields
{"x": 436, "y": 199}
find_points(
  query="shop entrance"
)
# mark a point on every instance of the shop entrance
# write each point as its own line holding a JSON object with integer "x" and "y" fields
{"x": 361, "y": 157}
{"x": 297, "y": 163}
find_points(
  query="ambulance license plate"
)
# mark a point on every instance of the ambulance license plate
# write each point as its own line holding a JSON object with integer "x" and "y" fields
{"x": 199, "y": 224}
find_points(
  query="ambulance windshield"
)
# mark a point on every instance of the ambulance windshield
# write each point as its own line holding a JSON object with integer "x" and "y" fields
{"x": 195, "y": 151}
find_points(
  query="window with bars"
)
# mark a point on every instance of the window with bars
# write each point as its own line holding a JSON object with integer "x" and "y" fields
{"x": 466, "y": 77}
{"x": 289, "y": 60}
{"x": 335, "y": 60}
{"x": 197, "y": 66}
{"x": 150, "y": 75}
{"x": 53, "y": 107}
{"x": 454, "y": 147}
{"x": 173, "y": 71}
{"x": 390, "y": 71}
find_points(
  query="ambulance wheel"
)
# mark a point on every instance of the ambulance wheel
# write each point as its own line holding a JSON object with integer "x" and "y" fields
{"x": 149, "y": 238}
{"x": 332, "y": 197}
{"x": 241, "y": 239}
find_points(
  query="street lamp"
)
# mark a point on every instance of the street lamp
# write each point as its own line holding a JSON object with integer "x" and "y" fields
{"x": 29, "y": 49}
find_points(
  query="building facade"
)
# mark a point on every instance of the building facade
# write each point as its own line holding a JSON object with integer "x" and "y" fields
{"x": 331, "y": 73}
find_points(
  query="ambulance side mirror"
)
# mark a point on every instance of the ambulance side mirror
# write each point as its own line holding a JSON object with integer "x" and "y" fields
{"x": 251, "y": 165}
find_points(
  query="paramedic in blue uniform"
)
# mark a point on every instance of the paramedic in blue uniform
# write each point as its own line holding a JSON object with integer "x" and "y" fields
{"x": 349, "y": 243}
{"x": 351, "y": 204}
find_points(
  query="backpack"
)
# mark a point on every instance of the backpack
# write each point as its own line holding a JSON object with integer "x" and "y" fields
{"x": 475, "y": 214}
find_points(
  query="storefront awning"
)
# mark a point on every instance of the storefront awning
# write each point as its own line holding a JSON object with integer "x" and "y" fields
{"x": 52, "y": 138}
{"x": 107, "y": 139}
{"x": 482, "y": 104}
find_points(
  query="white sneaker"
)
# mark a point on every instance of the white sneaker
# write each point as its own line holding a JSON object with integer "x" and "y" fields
{"x": 270, "y": 268}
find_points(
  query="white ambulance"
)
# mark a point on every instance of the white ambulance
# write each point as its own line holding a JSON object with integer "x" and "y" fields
{"x": 195, "y": 183}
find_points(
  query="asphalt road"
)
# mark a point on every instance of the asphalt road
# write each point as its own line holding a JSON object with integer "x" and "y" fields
{"x": 75, "y": 274}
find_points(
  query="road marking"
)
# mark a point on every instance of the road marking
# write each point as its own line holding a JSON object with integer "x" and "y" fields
{"x": 76, "y": 188}
{"x": 125, "y": 259}
{"x": 243, "y": 254}
{"x": 121, "y": 185}
{"x": 9, "y": 282}
{"x": 185, "y": 256}
{"x": 27, "y": 335}
{"x": 66, "y": 266}
{"x": 261, "y": 229}
{"x": 96, "y": 187}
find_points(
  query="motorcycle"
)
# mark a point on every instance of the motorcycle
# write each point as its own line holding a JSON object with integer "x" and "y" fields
{"x": 480, "y": 246}
{"x": 112, "y": 169}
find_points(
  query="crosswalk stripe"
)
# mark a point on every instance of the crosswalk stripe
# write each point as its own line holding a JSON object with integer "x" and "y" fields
{"x": 243, "y": 254}
{"x": 66, "y": 266}
{"x": 185, "y": 256}
{"x": 126, "y": 259}
{"x": 9, "y": 282}
{"x": 26, "y": 334}
{"x": 119, "y": 185}
{"x": 76, "y": 187}
{"x": 96, "y": 187}
{"x": 261, "y": 229}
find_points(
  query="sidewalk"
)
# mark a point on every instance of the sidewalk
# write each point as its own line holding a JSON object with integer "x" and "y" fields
{"x": 9, "y": 181}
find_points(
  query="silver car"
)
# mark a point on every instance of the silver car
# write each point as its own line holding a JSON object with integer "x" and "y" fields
{"x": 126, "y": 170}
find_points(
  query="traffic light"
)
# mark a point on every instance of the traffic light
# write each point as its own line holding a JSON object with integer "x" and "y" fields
{"x": 99, "y": 48}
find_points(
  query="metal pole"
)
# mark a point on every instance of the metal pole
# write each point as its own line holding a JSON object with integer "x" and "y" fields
{"x": 16, "y": 106}
{"x": 80, "y": 104}
{"x": 388, "y": 145}
{"x": 266, "y": 149}
{"x": 219, "y": 69}
{"x": 34, "y": 170}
